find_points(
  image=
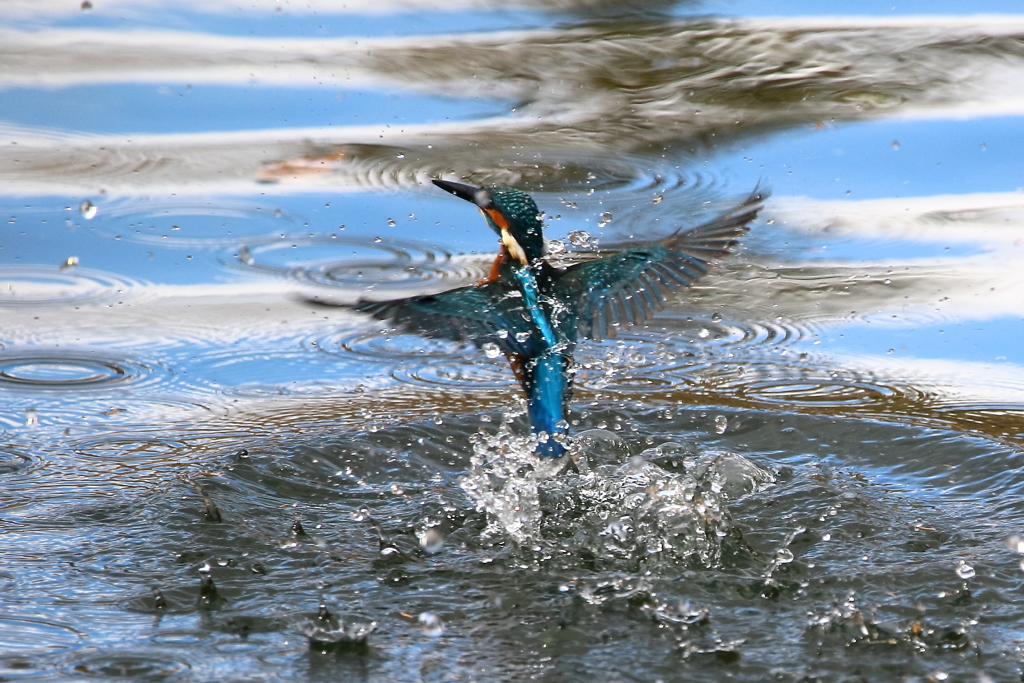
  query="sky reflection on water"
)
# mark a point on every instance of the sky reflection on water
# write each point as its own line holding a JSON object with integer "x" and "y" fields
{"x": 813, "y": 455}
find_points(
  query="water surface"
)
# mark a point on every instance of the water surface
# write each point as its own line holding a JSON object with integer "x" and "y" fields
{"x": 806, "y": 468}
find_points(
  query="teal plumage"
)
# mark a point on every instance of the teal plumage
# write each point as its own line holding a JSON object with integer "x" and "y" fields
{"x": 536, "y": 313}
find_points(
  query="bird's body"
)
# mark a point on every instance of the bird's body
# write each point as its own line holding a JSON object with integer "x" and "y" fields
{"x": 536, "y": 313}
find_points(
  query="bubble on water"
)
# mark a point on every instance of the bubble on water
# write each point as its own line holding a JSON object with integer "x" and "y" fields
{"x": 721, "y": 423}
{"x": 87, "y": 209}
{"x": 580, "y": 238}
{"x": 391, "y": 222}
{"x": 431, "y": 540}
{"x": 965, "y": 570}
{"x": 491, "y": 350}
{"x": 432, "y": 624}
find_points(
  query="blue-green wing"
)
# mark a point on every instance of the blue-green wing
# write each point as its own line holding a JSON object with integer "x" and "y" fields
{"x": 605, "y": 295}
{"x": 476, "y": 314}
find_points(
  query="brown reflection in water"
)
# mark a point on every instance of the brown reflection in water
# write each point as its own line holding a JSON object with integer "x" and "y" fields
{"x": 893, "y": 403}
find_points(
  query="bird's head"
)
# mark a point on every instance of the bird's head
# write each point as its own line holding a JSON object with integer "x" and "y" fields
{"x": 511, "y": 213}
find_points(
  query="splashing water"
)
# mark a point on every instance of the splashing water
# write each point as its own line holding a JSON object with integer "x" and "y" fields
{"x": 628, "y": 515}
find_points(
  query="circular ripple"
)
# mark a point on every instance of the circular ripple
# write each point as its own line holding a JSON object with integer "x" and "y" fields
{"x": 125, "y": 448}
{"x": 29, "y": 286}
{"x": 25, "y": 635}
{"x": 132, "y": 666}
{"x": 742, "y": 333}
{"x": 11, "y": 461}
{"x": 478, "y": 375}
{"x": 69, "y": 371}
{"x": 359, "y": 263}
{"x": 389, "y": 168}
{"x": 184, "y": 223}
{"x": 800, "y": 385}
{"x": 380, "y": 346}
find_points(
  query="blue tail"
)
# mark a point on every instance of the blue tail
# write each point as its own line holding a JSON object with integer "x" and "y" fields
{"x": 546, "y": 389}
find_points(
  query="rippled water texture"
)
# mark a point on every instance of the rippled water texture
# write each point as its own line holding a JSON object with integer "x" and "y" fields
{"x": 807, "y": 468}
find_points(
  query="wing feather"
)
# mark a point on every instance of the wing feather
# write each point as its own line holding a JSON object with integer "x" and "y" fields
{"x": 607, "y": 294}
{"x": 476, "y": 314}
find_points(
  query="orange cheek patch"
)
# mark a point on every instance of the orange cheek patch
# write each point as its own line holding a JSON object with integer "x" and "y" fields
{"x": 498, "y": 219}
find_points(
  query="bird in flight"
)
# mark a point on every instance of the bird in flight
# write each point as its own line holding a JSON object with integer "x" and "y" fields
{"x": 535, "y": 313}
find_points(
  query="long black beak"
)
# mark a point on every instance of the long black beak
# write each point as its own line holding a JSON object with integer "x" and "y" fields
{"x": 467, "y": 192}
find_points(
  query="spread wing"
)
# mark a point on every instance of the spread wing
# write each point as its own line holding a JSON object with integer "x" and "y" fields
{"x": 478, "y": 314}
{"x": 606, "y": 294}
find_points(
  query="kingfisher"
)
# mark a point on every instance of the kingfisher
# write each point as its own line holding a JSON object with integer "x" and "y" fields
{"x": 535, "y": 312}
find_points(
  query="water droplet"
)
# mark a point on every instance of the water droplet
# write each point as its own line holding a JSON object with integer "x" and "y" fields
{"x": 1016, "y": 544}
{"x": 886, "y": 281}
{"x": 657, "y": 199}
{"x": 432, "y": 624}
{"x": 703, "y": 334}
{"x": 784, "y": 556}
{"x": 391, "y": 222}
{"x": 277, "y": 213}
{"x": 965, "y": 570}
{"x": 87, "y": 209}
{"x": 606, "y": 216}
{"x": 431, "y": 540}
{"x": 556, "y": 247}
{"x": 31, "y": 417}
{"x": 721, "y": 423}
{"x": 716, "y": 317}
{"x": 69, "y": 262}
{"x": 522, "y": 336}
{"x": 895, "y": 144}
{"x": 400, "y": 156}
{"x": 503, "y": 334}
{"x": 580, "y": 238}
{"x": 491, "y": 350}
{"x": 377, "y": 240}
